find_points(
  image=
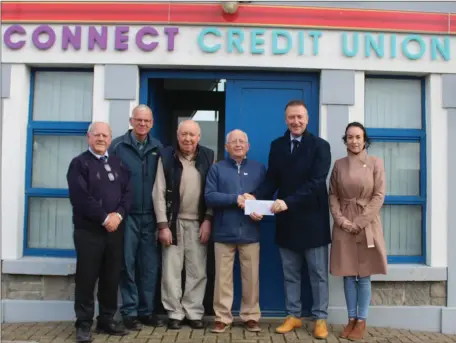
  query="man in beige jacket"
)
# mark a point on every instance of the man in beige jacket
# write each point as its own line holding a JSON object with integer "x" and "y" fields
{"x": 184, "y": 224}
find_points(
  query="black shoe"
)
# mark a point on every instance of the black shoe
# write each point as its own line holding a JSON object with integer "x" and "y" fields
{"x": 151, "y": 320}
{"x": 174, "y": 324}
{"x": 132, "y": 323}
{"x": 196, "y": 324}
{"x": 111, "y": 328}
{"x": 83, "y": 334}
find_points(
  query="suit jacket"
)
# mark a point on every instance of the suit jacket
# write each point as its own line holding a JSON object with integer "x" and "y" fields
{"x": 300, "y": 179}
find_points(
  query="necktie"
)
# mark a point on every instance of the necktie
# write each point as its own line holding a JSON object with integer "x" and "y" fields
{"x": 295, "y": 145}
{"x": 104, "y": 159}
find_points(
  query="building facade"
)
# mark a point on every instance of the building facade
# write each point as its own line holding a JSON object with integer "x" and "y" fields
{"x": 393, "y": 69}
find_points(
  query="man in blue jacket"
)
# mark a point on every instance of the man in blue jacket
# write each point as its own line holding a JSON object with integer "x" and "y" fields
{"x": 227, "y": 180}
{"x": 138, "y": 150}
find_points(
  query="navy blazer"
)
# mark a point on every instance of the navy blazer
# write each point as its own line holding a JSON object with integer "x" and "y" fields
{"x": 300, "y": 179}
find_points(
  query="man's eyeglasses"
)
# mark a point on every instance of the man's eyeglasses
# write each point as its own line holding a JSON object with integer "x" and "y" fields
{"x": 237, "y": 141}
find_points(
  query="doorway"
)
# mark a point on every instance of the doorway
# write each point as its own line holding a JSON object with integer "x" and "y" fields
{"x": 221, "y": 102}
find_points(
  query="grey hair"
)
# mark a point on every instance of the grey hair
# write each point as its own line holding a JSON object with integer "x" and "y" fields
{"x": 92, "y": 126}
{"x": 141, "y": 107}
{"x": 229, "y": 134}
{"x": 186, "y": 121}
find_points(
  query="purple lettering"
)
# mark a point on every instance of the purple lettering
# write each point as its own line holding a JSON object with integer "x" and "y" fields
{"x": 68, "y": 37}
{"x": 121, "y": 40}
{"x": 43, "y": 29}
{"x": 7, "y": 37}
{"x": 171, "y": 32}
{"x": 101, "y": 39}
{"x": 147, "y": 30}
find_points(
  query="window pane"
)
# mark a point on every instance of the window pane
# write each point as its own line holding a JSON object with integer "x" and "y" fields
{"x": 51, "y": 157}
{"x": 50, "y": 223}
{"x": 393, "y": 103}
{"x": 63, "y": 96}
{"x": 402, "y": 166}
{"x": 402, "y": 229}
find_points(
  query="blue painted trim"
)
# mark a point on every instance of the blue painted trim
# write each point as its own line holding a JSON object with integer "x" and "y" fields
{"x": 408, "y": 135}
{"x": 48, "y": 128}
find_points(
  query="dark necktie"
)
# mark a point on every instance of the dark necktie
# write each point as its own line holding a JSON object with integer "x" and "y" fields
{"x": 104, "y": 158}
{"x": 295, "y": 145}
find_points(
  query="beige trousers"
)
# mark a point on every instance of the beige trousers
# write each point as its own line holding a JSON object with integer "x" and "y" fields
{"x": 249, "y": 258}
{"x": 190, "y": 250}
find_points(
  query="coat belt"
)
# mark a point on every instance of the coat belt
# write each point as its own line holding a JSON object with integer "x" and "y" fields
{"x": 354, "y": 203}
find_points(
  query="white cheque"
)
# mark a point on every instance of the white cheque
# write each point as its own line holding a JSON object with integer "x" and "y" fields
{"x": 261, "y": 207}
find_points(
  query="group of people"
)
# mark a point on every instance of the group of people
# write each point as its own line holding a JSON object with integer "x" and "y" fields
{"x": 139, "y": 206}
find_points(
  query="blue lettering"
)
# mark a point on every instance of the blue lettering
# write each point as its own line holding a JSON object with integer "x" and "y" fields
{"x": 276, "y": 50}
{"x": 436, "y": 46}
{"x": 235, "y": 39}
{"x": 377, "y": 45}
{"x": 316, "y": 36}
{"x": 207, "y": 31}
{"x": 355, "y": 48}
{"x": 300, "y": 43}
{"x": 256, "y": 39}
{"x": 405, "y": 47}
{"x": 393, "y": 46}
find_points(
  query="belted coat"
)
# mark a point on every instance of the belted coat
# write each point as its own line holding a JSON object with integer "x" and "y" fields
{"x": 356, "y": 193}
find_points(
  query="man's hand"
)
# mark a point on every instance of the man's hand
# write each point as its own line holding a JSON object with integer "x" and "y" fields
{"x": 165, "y": 237}
{"x": 205, "y": 231}
{"x": 112, "y": 222}
{"x": 241, "y": 201}
{"x": 256, "y": 217}
{"x": 248, "y": 196}
{"x": 278, "y": 206}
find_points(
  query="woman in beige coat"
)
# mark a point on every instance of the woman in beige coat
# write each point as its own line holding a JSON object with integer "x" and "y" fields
{"x": 356, "y": 195}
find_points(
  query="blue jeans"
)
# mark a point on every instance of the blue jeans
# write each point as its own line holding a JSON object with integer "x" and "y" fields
{"x": 317, "y": 265}
{"x": 357, "y": 296}
{"x": 138, "y": 283}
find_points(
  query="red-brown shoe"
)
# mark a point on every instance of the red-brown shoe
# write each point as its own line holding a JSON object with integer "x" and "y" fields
{"x": 358, "y": 331}
{"x": 348, "y": 329}
{"x": 252, "y": 326}
{"x": 219, "y": 327}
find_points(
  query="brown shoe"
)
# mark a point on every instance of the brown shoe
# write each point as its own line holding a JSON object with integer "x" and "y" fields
{"x": 289, "y": 324}
{"x": 348, "y": 329}
{"x": 219, "y": 327}
{"x": 358, "y": 331}
{"x": 252, "y": 326}
{"x": 320, "y": 330}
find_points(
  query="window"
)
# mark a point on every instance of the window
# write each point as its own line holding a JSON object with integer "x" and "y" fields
{"x": 395, "y": 120}
{"x": 60, "y": 113}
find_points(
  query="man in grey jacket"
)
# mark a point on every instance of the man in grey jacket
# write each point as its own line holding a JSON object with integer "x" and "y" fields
{"x": 138, "y": 150}
{"x": 226, "y": 182}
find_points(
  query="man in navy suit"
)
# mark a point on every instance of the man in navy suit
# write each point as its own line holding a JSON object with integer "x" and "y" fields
{"x": 298, "y": 167}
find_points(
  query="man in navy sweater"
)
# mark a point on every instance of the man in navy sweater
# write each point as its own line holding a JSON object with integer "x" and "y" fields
{"x": 226, "y": 182}
{"x": 100, "y": 194}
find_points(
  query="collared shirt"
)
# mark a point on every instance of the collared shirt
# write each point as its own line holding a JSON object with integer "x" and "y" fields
{"x": 291, "y": 140}
{"x": 97, "y": 155}
{"x": 138, "y": 144}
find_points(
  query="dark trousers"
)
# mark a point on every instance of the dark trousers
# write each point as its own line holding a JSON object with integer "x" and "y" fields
{"x": 99, "y": 257}
{"x": 138, "y": 285}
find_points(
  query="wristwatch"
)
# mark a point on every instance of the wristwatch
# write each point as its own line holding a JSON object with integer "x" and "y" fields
{"x": 119, "y": 216}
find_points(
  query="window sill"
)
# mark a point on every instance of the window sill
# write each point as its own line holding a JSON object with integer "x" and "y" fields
{"x": 412, "y": 272}
{"x": 67, "y": 266}
{"x": 40, "y": 266}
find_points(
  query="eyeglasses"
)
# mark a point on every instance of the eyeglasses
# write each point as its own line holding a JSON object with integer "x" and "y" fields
{"x": 111, "y": 176}
{"x": 237, "y": 141}
{"x": 145, "y": 121}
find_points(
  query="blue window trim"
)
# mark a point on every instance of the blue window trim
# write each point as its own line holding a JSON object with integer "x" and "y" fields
{"x": 46, "y": 128}
{"x": 408, "y": 135}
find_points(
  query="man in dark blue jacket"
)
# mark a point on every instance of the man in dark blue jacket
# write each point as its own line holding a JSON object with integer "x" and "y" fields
{"x": 227, "y": 180}
{"x": 298, "y": 167}
{"x": 100, "y": 194}
{"x": 138, "y": 150}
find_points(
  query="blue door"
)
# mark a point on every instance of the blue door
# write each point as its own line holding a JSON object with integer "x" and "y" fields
{"x": 257, "y": 107}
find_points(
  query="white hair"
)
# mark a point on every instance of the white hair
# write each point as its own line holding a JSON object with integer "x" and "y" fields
{"x": 188, "y": 121}
{"x": 140, "y": 107}
{"x": 93, "y": 124}
{"x": 227, "y": 139}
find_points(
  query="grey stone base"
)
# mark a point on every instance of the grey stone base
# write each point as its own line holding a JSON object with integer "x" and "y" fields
{"x": 421, "y": 318}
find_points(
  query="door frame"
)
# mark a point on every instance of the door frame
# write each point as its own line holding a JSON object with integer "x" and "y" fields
{"x": 314, "y": 77}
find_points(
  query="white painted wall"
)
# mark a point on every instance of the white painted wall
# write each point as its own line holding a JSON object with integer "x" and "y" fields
{"x": 188, "y": 53}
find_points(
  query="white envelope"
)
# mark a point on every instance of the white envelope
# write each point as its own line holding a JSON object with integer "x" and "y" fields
{"x": 262, "y": 207}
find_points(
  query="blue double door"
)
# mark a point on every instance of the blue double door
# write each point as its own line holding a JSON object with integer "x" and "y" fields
{"x": 257, "y": 107}
{"x": 254, "y": 104}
